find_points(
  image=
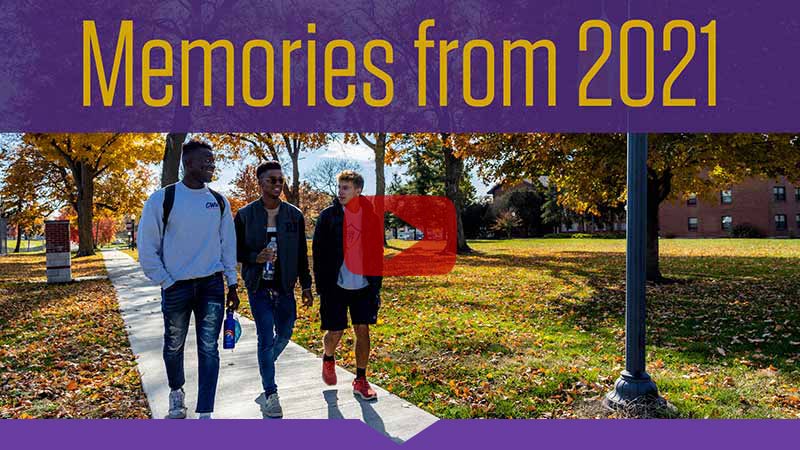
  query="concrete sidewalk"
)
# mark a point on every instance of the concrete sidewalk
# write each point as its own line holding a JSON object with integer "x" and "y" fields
{"x": 239, "y": 394}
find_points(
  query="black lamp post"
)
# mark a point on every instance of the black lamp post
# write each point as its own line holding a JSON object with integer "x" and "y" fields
{"x": 634, "y": 386}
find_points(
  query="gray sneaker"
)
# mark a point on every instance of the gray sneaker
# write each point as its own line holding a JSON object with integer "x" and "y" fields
{"x": 273, "y": 406}
{"x": 177, "y": 409}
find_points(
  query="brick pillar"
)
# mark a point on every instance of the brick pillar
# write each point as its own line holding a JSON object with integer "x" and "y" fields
{"x": 59, "y": 260}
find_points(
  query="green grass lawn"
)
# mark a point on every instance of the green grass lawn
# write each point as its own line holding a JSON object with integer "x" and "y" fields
{"x": 35, "y": 246}
{"x": 535, "y": 328}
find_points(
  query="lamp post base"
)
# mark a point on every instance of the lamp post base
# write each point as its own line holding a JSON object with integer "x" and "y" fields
{"x": 633, "y": 393}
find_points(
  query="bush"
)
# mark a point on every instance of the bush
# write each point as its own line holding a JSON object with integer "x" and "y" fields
{"x": 746, "y": 231}
{"x": 609, "y": 235}
{"x": 601, "y": 235}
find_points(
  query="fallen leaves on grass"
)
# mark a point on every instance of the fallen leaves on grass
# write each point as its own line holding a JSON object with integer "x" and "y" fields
{"x": 63, "y": 348}
{"x": 535, "y": 328}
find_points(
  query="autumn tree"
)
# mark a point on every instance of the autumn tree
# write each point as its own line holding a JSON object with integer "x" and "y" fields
{"x": 26, "y": 189}
{"x": 272, "y": 146}
{"x": 506, "y": 221}
{"x": 424, "y": 173}
{"x": 178, "y": 21}
{"x": 81, "y": 160}
{"x": 313, "y": 202}
{"x": 454, "y": 149}
{"x": 385, "y": 148}
{"x": 589, "y": 169}
{"x": 171, "y": 159}
{"x": 245, "y": 188}
{"x": 323, "y": 176}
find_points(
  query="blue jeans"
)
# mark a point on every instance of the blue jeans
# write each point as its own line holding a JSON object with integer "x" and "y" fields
{"x": 274, "y": 315}
{"x": 205, "y": 297}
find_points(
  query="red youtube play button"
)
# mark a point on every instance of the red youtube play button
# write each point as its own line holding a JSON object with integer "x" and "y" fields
{"x": 433, "y": 217}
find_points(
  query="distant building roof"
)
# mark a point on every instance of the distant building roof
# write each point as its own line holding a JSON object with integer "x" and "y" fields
{"x": 526, "y": 181}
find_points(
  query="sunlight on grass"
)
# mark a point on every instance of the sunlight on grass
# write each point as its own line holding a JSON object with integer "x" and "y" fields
{"x": 535, "y": 328}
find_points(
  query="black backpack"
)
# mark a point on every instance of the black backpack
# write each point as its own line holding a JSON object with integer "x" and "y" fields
{"x": 169, "y": 201}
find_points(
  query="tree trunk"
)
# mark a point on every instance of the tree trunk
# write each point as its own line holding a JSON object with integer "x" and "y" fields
{"x": 380, "y": 177}
{"x": 380, "y": 157}
{"x": 454, "y": 168}
{"x": 85, "y": 184}
{"x": 379, "y": 148}
{"x": 171, "y": 162}
{"x": 658, "y": 189}
{"x": 19, "y": 238}
{"x": 294, "y": 194}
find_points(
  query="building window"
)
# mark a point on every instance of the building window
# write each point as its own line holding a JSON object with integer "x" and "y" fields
{"x": 691, "y": 200}
{"x": 726, "y": 197}
{"x": 780, "y": 222}
{"x": 779, "y": 193}
{"x": 797, "y": 194}
{"x": 694, "y": 222}
{"x": 797, "y": 221}
{"x": 727, "y": 223}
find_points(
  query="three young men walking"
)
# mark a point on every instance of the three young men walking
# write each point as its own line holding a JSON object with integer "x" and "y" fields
{"x": 188, "y": 240}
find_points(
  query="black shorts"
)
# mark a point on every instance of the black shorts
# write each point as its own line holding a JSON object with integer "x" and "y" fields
{"x": 363, "y": 305}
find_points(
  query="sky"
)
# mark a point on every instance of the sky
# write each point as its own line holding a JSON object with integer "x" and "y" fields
{"x": 359, "y": 153}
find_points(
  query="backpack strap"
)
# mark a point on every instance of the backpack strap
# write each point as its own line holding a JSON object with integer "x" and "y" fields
{"x": 220, "y": 201}
{"x": 169, "y": 201}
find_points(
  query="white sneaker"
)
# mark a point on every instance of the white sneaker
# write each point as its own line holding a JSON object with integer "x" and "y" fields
{"x": 177, "y": 409}
{"x": 273, "y": 406}
{"x": 204, "y": 416}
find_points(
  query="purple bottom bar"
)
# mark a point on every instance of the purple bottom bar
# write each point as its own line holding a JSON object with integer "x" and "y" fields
{"x": 446, "y": 434}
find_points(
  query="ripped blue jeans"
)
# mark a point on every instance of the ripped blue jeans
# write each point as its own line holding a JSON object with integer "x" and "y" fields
{"x": 274, "y": 315}
{"x": 205, "y": 297}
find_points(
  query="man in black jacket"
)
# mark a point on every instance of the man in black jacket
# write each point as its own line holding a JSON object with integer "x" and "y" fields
{"x": 271, "y": 292}
{"x": 344, "y": 287}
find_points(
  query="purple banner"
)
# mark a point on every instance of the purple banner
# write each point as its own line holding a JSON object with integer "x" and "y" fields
{"x": 334, "y": 435}
{"x": 401, "y": 65}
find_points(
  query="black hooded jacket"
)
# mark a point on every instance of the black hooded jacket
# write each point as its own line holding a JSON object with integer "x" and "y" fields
{"x": 328, "y": 246}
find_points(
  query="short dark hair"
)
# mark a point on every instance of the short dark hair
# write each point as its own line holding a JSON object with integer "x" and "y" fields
{"x": 192, "y": 146}
{"x": 265, "y": 166}
{"x": 352, "y": 176}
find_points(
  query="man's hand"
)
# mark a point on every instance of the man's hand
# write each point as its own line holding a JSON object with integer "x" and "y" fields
{"x": 308, "y": 298}
{"x": 266, "y": 255}
{"x": 233, "y": 298}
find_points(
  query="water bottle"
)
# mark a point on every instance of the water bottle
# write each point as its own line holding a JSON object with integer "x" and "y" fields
{"x": 229, "y": 336}
{"x": 269, "y": 268}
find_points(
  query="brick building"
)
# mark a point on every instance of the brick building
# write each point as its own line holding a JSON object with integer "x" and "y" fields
{"x": 771, "y": 206}
{"x": 499, "y": 189}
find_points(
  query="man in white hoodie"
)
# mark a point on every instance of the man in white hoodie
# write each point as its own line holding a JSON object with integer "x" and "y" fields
{"x": 187, "y": 242}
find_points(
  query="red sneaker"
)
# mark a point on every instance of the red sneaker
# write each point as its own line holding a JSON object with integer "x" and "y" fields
{"x": 329, "y": 372}
{"x": 362, "y": 388}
